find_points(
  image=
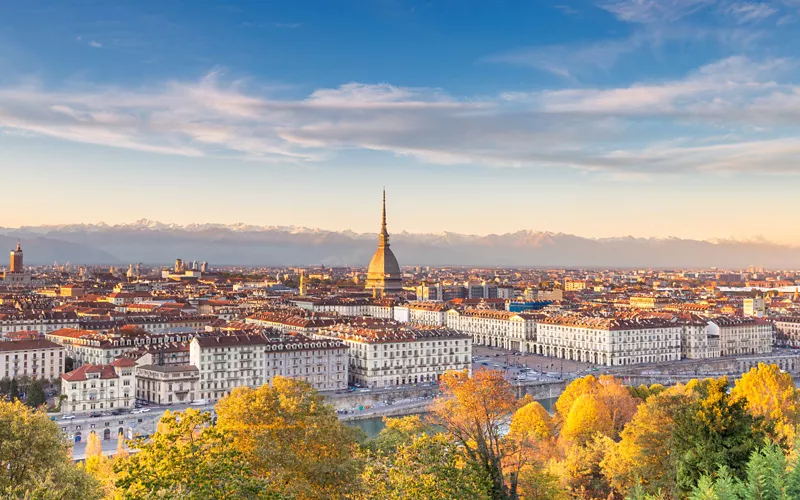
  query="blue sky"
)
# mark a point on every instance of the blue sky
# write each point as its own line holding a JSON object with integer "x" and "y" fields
{"x": 599, "y": 118}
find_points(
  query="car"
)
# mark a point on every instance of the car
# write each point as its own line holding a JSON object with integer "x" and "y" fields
{"x": 137, "y": 410}
{"x": 144, "y": 410}
{"x": 485, "y": 363}
{"x": 105, "y": 414}
{"x": 68, "y": 417}
{"x": 116, "y": 412}
{"x": 95, "y": 414}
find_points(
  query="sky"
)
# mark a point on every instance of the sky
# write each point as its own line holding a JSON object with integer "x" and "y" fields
{"x": 651, "y": 118}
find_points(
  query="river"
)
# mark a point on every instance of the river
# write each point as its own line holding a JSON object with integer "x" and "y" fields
{"x": 374, "y": 425}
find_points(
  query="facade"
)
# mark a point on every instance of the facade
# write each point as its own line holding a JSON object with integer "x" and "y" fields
{"x": 384, "y": 275}
{"x": 739, "y": 336}
{"x": 92, "y": 347}
{"x": 609, "y": 341}
{"x": 99, "y": 387}
{"x": 696, "y": 340}
{"x": 494, "y": 328}
{"x": 230, "y": 361}
{"x": 393, "y": 355}
{"x": 755, "y": 306}
{"x": 167, "y": 384}
{"x": 42, "y": 322}
{"x": 35, "y": 358}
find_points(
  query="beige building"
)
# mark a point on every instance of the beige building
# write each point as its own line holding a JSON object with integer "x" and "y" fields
{"x": 391, "y": 355}
{"x": 167, "y": 384}
{"x": 739, "y": 336}
{"x": 609, "y": 341}
{"x": 494, "y": 328}
{"x": 99, "y": 387}
{"x": 37, "y": 358}
{"x": 230, "y": 361}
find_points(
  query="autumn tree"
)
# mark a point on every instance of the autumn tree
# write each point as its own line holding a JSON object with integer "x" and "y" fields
{"x": 608, "y": 397}
{"x": 644, "y": 456}
{"x": 475, "y": 410}
{"x": 588, "y": 416}
{"x": 289, "y": 436}
{"x": 532, "y": 432}
{"x": 771, "y": 394}
{"x": 99, "y": 466}
{"x": 410, "y": 460}
{"x": 35, "y": 460}
{"x": 188, "y": 458}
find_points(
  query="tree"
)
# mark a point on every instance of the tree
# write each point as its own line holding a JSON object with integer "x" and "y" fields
{"x": 587, "y": 417}
{"x": 425, "y": 466}
{"x": 610, "y": 396}
{"x": 35, "y": 459}
{"x": 5, "y": 386}
{"x": 36, "y": 395}
{"x": 122, "y": 451}
{"x": 714, "y": 431}
{"x": 644, "y": 456}
{"x": 767, "y": 478}
{"x": 99, "y": 466}
{"x": 475, "y": 411}
{"x": 187, "y": 458}
{"x": 291, "y": 437}
{"x": 771, "y": 394}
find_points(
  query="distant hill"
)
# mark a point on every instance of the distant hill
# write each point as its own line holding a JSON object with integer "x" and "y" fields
{"x": 154, "y": 242}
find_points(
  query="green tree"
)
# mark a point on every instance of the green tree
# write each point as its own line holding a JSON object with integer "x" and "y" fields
{"x": 35, "y": 460}
{"x": 36, "y": 397}
{"x": 427, "y": 466}
{"x": 187, "y": 459}
{"x": 714, "y": 431}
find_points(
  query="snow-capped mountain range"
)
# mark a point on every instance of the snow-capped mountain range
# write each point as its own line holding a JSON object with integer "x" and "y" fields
{"x": 155, "y": 242}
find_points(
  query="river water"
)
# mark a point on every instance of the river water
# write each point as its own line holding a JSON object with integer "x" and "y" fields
{"x": 374, "y": 425}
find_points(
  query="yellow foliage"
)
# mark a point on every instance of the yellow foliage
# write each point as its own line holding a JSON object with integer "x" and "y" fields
{"x": 771, "y": 393}
{"x": 588, "y": 416}
{"x": 532, "y": 421}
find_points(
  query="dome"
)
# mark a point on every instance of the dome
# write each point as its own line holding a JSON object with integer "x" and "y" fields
{"x": 383, "y": 274}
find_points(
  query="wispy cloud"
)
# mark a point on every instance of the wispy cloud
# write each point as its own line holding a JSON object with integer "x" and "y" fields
{"x": 653, "y": 11}
{"x": 745, "y": 12}
{"x": 628, "y": 130}
{"x": 95, "y": 44}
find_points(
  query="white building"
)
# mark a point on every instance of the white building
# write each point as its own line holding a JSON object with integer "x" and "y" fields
{"x": 696, "y": 340}
{"x": 609, "y": 341}
{"x": 99, "y": 387}
{"x": 35, "y": 358}
{"x": 494, "y": 328}
{"x": 230, "y": 361}
{"x": 91, "y": 347}
{"x": 42, "y": 322}
{"x": 742, "y": 335}
{"x": 392, "y": 355}
{"x": 422, "y": 313}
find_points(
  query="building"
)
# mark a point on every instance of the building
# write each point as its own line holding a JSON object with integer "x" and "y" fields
{"x": 96, "y": 348}
{"x": 15, "y": 264}
{"x": 571, "y": 285}
{"x": 387, "y": 354}
{"x": 384, "y": 274}
{"x": 494, "y": 328}
{"x": 696, "y": 340}
{"x": 427, "y": 292}
{"x": 754, "y": 306}
{"x": 34, "y": 358}
{"x": 230, "y": 361}
{"x": 739, "y": 336}
{"x": 167, "y": 384}
{"x": 788, "y": 329}
{"x": 16, "y": 274}
{"x": 99, "y": 387}
{"x": 609, "y": 341}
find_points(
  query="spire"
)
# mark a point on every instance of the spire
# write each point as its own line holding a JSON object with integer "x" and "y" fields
{"x": 383, "y": 238}
{"x": 383, "y": 218}
{"x": 19, "y": 248}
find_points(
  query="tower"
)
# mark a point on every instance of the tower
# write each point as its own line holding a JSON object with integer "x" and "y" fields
{"x": 302, "y": 290}
{"x": 15, "y": 264}
{"x": 384, "y": 275}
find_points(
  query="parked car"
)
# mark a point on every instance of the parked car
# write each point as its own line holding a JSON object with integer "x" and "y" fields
{"x": 145, "y": 410}
{"x": 95, "y": 414}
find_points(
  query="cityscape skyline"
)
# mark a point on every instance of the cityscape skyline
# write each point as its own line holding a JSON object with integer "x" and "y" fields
{"x": 532, "y": 116}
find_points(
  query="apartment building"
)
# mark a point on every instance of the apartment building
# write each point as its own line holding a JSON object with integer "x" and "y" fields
{"x": 99, "y": 387}
{"x": 167, "y": 384}
{"x": 494, "y": 328}
{"x": 35, "y": 358}
{"x": 42, "y": 322}
{"x": 739, "y": 335}
{"x": 609, "y": 341}
{"x": 390, "y": 354}
{"x": 251, "y": 360}
{"x": 92, "y": 347}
